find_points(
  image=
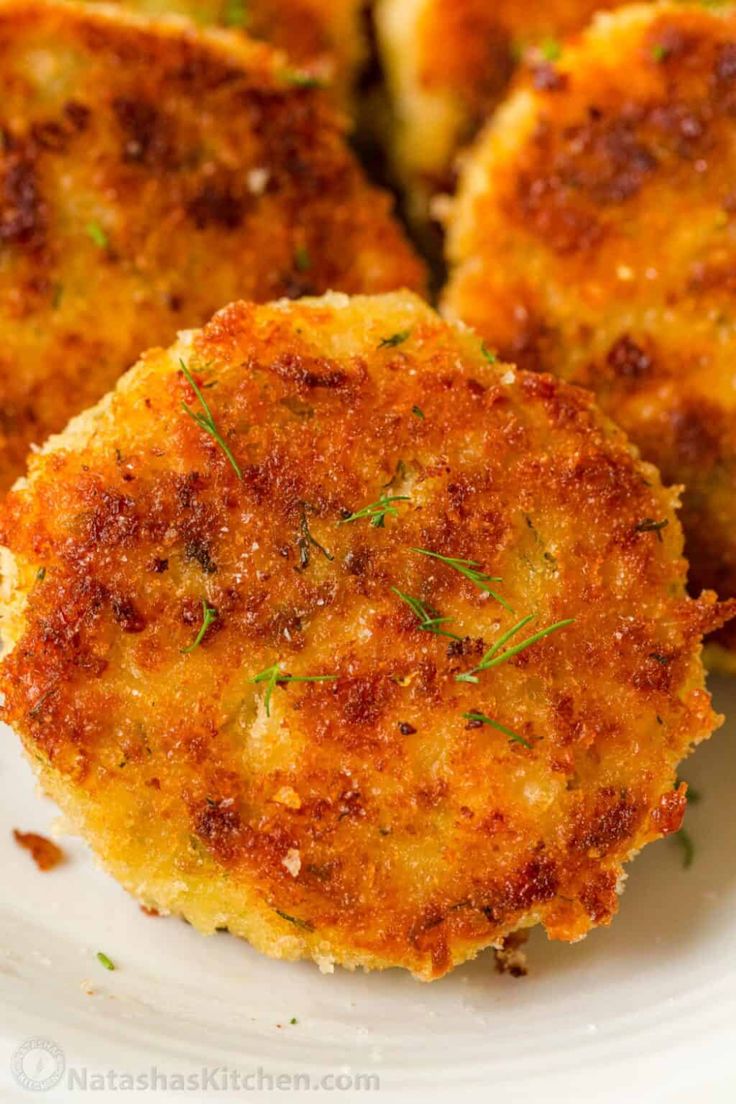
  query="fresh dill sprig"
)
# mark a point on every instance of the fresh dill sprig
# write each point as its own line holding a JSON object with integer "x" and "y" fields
{"x": 206, "y": 421}
{"x": 685, "y": 842}
{"x": 490, "y": 356}
{"x": 105, "y": 960}
{"x": 394, "y": 340}
{"x": 377, "y": 511}
{"x": 469, "y": 568}
{"x": 97, "y": 235}
{"x": 307, "y": 539}
{"x": 514, "y": 737}
{"x": 494, "y": 657}
{"x": 307, "y": 925}
{"x": 418, "y": 412}
{"x": 427, "y": 622}
{"x": 650, "y": 525}
{"x": 209, "y": 614}
{"x": 273, "y": 676}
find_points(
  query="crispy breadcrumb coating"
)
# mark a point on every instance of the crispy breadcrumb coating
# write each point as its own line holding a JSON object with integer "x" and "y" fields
{"x": 241, "y": 674}
{"x": 594, "y": 236}
{"x": 150, "y": 173}
{"x": 449, "y": 62}
{"x": 324, "y": 37}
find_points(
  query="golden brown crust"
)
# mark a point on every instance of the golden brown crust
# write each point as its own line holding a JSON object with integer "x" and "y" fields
{"x": 594, "y": 236}
{"x": 149, "y": 174}
{"x": 449, "y": 63}
{"x": 365, "y": 820}
{"x": 322, "y": 36}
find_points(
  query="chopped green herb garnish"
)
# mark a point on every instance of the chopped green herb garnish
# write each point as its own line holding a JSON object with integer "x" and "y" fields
{"x": 377, "y": 511}
{"x": 514, "y": 737}
{"x": 550, "y": 49}
{"x": 490, "y": 356}
{"x": 302, "y": 260}
{"x": 293, "y": 1020}
{"x": 41, "y": 574}
{"x": 206, "y": 421}
{"x": 302, "y": 80}
{"x": 236, "y": 13}
{"x": 97, "y": 234}
{"x": 273, "y": 676}
{"x": 427, "y": 622}
{"x": 659, "y": 52}
{"x": 208, "y": 616}
{"x": 469, "y": 568}
{"x": 494, "y": 657}
{"x": 305, "y": 924}
{"x": 418, "y": 412}
{"x": 307, "y": 540}
{"x": 649, "y": 525}
{"x": 394, "y": 340}
{"x": 106, "y": 962}
{"x": 684, "y": 841}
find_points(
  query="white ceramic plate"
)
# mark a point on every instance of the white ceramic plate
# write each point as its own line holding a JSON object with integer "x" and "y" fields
{"x": 643, "y": 1011}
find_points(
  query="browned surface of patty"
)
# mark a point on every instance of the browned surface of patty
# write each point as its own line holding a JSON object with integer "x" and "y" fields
{"x": 149, "y": 174}
{"x": 322, "y": 36}
{"x": 362, "y": 819}
{"x": 594, "y": 236}
{"x": 450, "y": 62}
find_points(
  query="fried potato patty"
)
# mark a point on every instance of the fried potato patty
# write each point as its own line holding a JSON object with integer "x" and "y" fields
{"x": 322, "y": 36}
{"x": 594, "y": 236}
{"x": 448, "y": 63}
{"x": 150, "y": 173}
{"x": 332, "y": 632}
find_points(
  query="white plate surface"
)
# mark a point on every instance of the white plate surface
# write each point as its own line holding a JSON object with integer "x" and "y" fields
{"x": 645, "y": 1010}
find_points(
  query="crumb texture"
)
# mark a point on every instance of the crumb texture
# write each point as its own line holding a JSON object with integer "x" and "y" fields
{"x": 176, "y": 585}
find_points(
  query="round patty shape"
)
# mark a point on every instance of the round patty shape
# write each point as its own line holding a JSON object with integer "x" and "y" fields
{"x": 594, "y": 236}
{"x": 332, "y": 632}
{"x": 150, "y": 173}
{"x": 322, "y": 36}
{"x": 448, "y": 63}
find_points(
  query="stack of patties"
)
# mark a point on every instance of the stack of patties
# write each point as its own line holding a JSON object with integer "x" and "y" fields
{"x": 328, "y": 625}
